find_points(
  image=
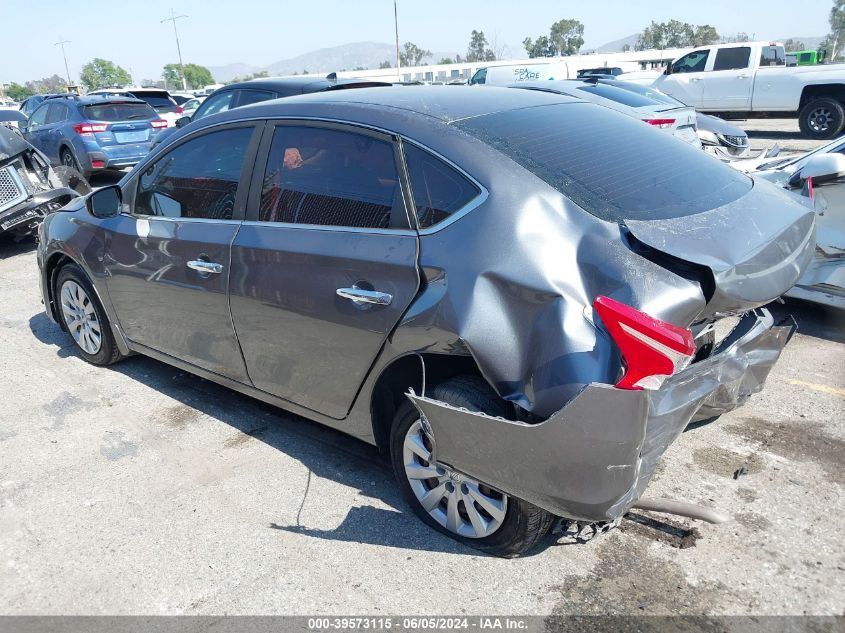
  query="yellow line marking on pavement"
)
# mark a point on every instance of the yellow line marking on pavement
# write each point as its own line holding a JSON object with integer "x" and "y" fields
{"x": 822, "y": 388}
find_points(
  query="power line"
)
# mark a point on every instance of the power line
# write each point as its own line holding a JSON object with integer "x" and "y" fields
{"x": 173, "y": 17}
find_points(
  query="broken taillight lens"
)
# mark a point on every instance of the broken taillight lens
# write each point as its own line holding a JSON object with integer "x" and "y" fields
{"x": 652, "y": 349}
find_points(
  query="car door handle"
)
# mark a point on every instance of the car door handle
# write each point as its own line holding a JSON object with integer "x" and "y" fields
{"x": 205, "y": 267}
{"x": 695, "y": 78}
{"x": 743, "y": 76}
{"x": 359, "y": 295}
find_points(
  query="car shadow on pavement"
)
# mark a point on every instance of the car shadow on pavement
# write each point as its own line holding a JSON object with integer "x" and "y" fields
{"x": 813, "y": 319}
{"x": 9, "y": 247}
{"x": 326, "y": 453}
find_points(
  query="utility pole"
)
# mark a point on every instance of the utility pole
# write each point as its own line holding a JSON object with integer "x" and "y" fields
{"x": 173, "y": 17}
{"x": 62, "y": 44}
{"x": 396, "y": 25}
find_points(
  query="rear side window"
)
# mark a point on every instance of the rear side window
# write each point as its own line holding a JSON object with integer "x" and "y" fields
{"x": 438, "y": 189}
{"x": 197, "y": 179}
{"x": 772, "y": 56}
{"x": 57, "y": 113}
{"x": 118, "y": 112}
{"x": 611, "y": 165}
{"x": 245, "y": 97}
{"x": 333, "y": 178}
{"x": 156, "y": 99}
{"x": 732, "y": 58}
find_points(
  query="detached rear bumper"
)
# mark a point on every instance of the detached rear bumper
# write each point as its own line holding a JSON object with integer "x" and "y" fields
{"x": 594, "y": 458}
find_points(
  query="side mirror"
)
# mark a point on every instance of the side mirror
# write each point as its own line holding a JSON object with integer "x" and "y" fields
{"x": 821, "y": 168}
{"x": 105, "y": 202}
{"x": 182, "y": 121}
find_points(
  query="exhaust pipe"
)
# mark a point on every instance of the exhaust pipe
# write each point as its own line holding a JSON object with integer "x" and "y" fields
{"x": 681, "y": 508}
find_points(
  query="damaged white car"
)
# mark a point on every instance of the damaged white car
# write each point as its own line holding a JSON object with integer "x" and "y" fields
{"x": 819, "y": 174}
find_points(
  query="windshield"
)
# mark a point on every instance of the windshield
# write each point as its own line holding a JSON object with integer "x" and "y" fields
{"x": 575, "y": 148}
{"x": 118, "y": 112}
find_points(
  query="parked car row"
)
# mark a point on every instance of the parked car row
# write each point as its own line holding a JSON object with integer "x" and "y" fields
{"x": 513, "y": 293}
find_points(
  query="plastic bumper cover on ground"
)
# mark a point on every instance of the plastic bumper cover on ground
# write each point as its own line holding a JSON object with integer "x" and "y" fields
{"x": 593, "y": 459}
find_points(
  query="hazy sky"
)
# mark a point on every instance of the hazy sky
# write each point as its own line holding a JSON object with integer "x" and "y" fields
{"x": 260, "y": 32}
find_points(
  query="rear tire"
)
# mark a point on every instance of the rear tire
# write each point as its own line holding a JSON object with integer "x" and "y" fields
{"x": 510, "y": 533}
{"x": 68, "y": 159}
{"x": 822, "y": 118}
{"x": 84, "y": 318}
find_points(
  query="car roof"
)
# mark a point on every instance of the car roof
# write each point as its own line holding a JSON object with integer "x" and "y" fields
{"x": 105, "y": 98}
{"x": 300, "y": 85}
{"x": 445, "y": 103}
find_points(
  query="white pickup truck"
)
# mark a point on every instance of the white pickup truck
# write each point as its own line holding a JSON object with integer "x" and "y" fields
{"x": 752, "y": 80}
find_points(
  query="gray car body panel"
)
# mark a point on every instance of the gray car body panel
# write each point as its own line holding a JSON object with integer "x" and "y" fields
{"x": 594, "y": 458}
{"x": 510, "y": 283}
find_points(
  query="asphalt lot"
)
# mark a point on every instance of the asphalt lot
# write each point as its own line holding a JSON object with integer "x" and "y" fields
{"x": 142, "y": 489}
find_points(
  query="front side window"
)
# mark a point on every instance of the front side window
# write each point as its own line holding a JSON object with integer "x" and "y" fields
{"x": 772, "y": 56}
{"x": 438, "y": 189}
{"x": 217, "y": 103}
{"x": 691, "y": 62}
{"x": 197, "y": 179}
{"x": 331, "y": 177}
{"x": 479, "y": 77}
{"x": 732, "y": 58}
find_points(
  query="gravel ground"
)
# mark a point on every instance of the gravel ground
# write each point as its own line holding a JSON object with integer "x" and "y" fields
{"x": 141, "y": 489}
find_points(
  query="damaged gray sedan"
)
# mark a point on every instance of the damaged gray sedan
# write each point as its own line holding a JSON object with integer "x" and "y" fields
{"x": 512, "y": 293}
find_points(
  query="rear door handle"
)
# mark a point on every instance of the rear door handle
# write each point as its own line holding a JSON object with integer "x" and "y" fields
{"x": 359, "y": 295}
{"x": 205, "y": 267}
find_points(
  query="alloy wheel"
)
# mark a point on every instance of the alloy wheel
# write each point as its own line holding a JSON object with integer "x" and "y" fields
{"x": 820, "y": 119}
{"x": 80, "y": 317}
{"x": 458, "y": 503}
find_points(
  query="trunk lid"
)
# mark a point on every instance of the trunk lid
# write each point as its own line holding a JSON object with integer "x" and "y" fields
{"x": 755, "y": 247}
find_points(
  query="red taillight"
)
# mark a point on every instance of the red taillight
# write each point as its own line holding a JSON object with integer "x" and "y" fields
{"x": 98, "y": 164}
{"x": 88, "y": 129}
{"x": 158, "y": 123}
{"x": 179, "y": 110}
{"x": 660, "y": 122}
{"x": 652, "y": 349}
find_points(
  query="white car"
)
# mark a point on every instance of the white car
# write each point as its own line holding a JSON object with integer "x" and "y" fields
{"x": 160, "y": 100}
{"x": 824, "y": 280}
{"x": 751, "y": 79}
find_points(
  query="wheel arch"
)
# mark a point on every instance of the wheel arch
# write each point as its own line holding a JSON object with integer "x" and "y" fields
{"x": 409, "y": 371}
{"x": 832, "y": 90}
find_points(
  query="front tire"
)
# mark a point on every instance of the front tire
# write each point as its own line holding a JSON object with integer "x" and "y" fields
{"x": 467, "y": 510}
{"x": 84, "y": 318}
{"x": 822, "y": 118}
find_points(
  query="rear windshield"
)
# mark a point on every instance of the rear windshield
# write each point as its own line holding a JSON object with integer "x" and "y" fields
{"x": 650, "y": 93}
{"x": 156, "y": 99}
{"x": 618, "y": 95}
{"x": 118, "y": 112}
{"x": 611, "y": 165}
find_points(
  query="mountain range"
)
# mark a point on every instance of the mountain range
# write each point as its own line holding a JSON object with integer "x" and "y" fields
{"x": 371, "y": 54}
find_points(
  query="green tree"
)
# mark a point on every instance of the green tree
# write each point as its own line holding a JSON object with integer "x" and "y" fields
{"x": 675, "y": 34}
{"x": 18, "y": 92}
{"x": 47, "y": 85}
{"x": 705, "y": 34}
{"x": 832, "y": 44}
{"x": 479, "y": 49}
{"x": 541, "y": 47}
{"x": 626, "y": 48}
{"x": 446, "y": 60}
{"x": 412, "y": 55}
{"x": 385, "y": 64}
{"x": 567, "y": 37}
{"x": 101, "y": 73}
{"x": 258, "y": 75}
{"x": 792, "y": 45}
{"x": 196, "y": 76}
